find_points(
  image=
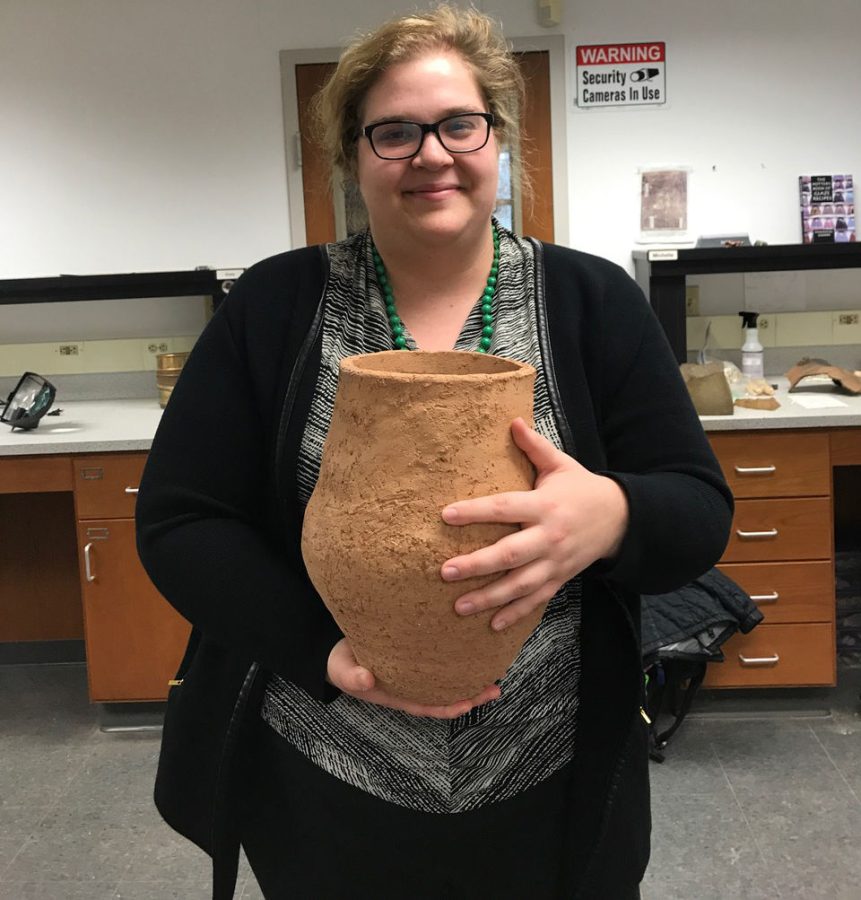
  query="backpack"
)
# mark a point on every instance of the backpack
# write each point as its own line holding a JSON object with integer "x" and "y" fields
{"x": 682, "y": 632}
{"x": 671, "y": 686}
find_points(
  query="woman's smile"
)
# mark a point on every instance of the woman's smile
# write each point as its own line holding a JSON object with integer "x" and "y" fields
{"x": 433, "y": 192}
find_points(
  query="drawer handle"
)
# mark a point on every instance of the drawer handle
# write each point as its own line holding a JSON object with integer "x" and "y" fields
{"x": 753, "y": 535}
{"x": 758, "y": 660}
{"x": 773, "y": 597}
{"x": 755, "y": 470}
{"x": 88, "y": 567}
{"x": 131, "y": 490}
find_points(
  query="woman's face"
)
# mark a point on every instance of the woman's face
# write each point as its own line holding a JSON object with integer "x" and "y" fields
{"x": 435, "y": 196}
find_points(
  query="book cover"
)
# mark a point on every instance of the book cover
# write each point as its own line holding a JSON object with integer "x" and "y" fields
{"x": 827, "y": 209}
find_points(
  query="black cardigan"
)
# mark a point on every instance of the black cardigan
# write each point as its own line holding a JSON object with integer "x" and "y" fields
{"x": 219, "y": 525}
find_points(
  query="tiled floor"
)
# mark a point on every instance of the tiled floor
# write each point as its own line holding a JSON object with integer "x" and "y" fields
{"x": 743, "y": 808}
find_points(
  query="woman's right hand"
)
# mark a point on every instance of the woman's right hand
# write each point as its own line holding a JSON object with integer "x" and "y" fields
{"x": 348, "y": 676}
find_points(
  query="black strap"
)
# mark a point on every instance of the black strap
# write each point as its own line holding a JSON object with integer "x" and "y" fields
{"x": 687, "y": 698}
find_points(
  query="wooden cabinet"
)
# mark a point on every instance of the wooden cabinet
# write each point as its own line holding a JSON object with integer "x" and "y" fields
{"x": 781, "y": 551}
{"x": 777, "y": 656}
{"x": 775, "y": 464}
{"x": 49, "y": 506}
{"x": 134, "y": 639}
{"x": 780, "y": 528}
{"x": 787, "y": 592}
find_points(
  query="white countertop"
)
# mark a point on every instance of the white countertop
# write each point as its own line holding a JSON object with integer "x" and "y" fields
{"x": 99, "y": 426}
{"x": 792, "y": 413}
{"x": 87, "y": 426}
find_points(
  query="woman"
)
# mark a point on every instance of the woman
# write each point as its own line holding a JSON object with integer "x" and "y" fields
{"x": 277, "y": 738}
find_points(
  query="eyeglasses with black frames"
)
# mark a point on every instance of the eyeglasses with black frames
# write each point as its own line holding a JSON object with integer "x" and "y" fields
{"x": 464, "y": 133}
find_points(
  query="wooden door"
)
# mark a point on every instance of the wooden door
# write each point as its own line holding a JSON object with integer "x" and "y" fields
{"x": 135, "y": 640}
{"x": 536, "y": 212}
{"x": 316, "y": 186}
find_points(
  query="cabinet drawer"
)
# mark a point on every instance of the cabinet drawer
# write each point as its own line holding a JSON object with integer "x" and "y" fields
{"x": 106, "y": 486}
{"x": 35, "y": 474}
{"x": 777, "y": 656}
{"x": 846, "y": 447}
{"x": 765, "y": 530}
{"x": 788, "y": 591}
{"x": 795, "y": 464}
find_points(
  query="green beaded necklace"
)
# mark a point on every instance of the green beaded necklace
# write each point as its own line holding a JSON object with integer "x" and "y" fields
{"x": 397, "y": 326}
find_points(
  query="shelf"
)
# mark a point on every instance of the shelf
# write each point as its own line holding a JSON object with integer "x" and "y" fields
{"x": 661, "y": 273}
{"x": 135, "y": 285}
{"x": 777, "y": 258}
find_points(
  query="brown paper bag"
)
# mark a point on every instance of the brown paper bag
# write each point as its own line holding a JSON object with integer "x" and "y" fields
{"x": 708, "y": 388}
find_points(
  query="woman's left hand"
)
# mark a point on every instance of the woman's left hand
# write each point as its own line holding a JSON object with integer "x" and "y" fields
{"x": 570, "y": 518}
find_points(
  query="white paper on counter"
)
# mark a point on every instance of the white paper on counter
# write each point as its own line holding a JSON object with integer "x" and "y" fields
{"x": 816, "y": 401}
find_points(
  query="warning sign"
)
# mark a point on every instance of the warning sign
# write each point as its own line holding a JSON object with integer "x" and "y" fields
{"x": 622, "y": 74}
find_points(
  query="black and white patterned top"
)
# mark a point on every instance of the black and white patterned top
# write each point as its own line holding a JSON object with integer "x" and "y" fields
{"x": 499, "y": 749}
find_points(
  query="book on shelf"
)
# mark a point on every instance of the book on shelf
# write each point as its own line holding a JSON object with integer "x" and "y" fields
{"x": 827, "y": 209}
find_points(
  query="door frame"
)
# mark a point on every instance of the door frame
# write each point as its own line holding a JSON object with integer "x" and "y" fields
{"x": 553, "y": 44}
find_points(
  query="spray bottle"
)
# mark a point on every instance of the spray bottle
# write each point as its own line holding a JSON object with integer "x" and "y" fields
{"x": 751, "y": 349}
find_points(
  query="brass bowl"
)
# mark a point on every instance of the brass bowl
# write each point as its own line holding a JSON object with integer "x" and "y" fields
{"x": 171, "y": 360}
{"x": 166, "y": 379}
{"x": 168, "y": 367}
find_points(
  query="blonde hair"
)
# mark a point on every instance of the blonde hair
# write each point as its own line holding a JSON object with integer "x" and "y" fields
{"x": 471, "y": 34}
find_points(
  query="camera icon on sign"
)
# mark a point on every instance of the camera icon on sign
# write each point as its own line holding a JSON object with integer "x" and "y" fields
{"x": 644, "y": 74}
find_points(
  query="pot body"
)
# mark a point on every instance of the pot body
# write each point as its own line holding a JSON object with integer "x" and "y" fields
{"x": 410, "y": 433}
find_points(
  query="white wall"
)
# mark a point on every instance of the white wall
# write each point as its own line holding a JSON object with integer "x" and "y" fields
{"x": 759, "y": 93}
{"x": 148, "y": 135}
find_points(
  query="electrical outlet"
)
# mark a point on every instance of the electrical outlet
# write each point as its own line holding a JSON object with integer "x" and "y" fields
{"x": 767, "y": 331}
{"x": 846, "y": 327}
{"x": 692, "y": 300}
{"x": 66, "y": 358}
{"x": 153, "y": 346}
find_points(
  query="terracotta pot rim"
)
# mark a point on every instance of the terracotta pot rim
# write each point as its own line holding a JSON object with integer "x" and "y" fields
{"x": 485, "y": 366}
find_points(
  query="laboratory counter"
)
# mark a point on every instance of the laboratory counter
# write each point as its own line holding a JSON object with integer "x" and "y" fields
{"x": 71, "y": 572}
{"x": 109, "y": 426}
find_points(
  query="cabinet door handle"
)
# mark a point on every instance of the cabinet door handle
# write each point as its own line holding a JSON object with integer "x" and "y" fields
{"x": 773, "y": 597}
{"x": 131, "y": 490}
{"x": 755, "y": 470}
{"x": 750, "y": 535}
{"x": 758, "y": 660}
{"x": 88, "y": 566}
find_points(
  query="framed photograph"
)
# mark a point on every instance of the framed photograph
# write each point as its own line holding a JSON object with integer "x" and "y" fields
{"x": 663, "y": 203}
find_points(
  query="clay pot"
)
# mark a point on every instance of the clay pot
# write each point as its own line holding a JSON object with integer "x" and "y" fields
{"x": 410, "y": 433}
